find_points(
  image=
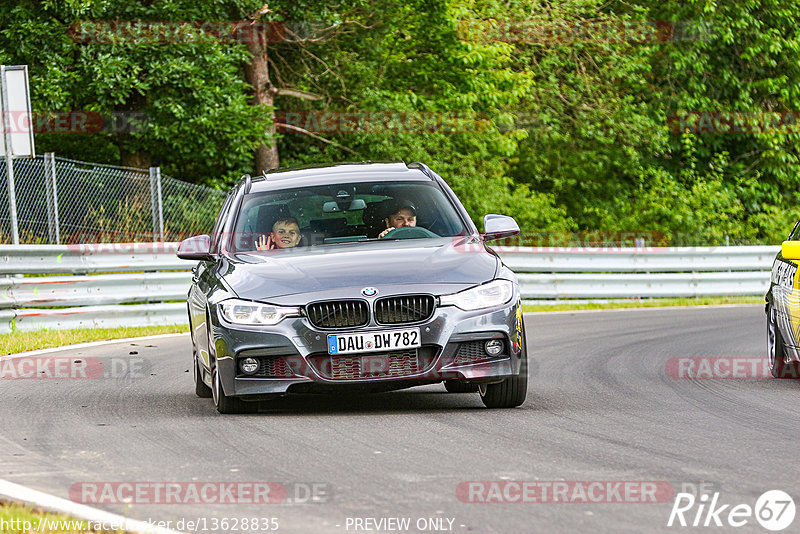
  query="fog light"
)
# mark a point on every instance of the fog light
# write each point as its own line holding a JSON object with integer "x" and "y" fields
{"x": 249, "y": 366}
{"x": 493, "y": 347}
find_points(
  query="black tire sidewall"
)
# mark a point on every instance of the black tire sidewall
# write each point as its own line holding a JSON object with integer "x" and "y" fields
{"x": 512, "y": 391}
{"x": 777, "y": 352}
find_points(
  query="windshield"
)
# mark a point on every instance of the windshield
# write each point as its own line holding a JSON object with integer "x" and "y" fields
{"x": 344, "y": 213}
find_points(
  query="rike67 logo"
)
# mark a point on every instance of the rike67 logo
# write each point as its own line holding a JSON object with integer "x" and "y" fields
{"x": 774, "y": 510}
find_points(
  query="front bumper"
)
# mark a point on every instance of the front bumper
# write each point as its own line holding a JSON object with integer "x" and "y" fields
{"x": 303, "y": 349}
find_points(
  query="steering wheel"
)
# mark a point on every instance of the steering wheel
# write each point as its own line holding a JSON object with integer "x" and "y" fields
{"x": 409, "y": 232}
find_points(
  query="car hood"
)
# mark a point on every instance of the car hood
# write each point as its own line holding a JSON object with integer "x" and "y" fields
{"x": 452, "y": 261}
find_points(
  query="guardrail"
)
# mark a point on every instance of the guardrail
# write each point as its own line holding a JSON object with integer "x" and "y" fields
{"x": 141, "y": 284}
{"x": 605, "y": 273}
{"x": 144, "y": 284}
{"x": 638, "y": 260}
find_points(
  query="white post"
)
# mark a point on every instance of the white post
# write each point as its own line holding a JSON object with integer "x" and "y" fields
{"x": 160, "y": 206}
{"x": 155, "y": 204}
{"x": 12, "y": 195}
{"x": 53, "y": 223}
{"x": 15, "y": 106}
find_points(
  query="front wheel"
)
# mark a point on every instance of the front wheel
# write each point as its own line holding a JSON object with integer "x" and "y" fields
{"x": 778, "y": 365}
{"x": 226, "y": 404}
{"x": 201, "y": 389}
{"x": 512, "y": 391}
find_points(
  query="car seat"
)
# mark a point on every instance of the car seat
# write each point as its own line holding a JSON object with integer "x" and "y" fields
{"x": 330, "y": 227}
{"x": 373, "y": 218}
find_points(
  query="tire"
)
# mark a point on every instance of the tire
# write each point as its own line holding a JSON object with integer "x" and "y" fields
{"x": 512, "y": 391}
{"x": 226, "y": 404}
{"x": 776, "y": 351}
{"x": 459, "y": 386}
{"x": 200, "y": 388}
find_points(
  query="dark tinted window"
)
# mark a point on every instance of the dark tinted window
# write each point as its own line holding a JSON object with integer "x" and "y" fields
{"x": 347, "y": 212}
{"x": 793, "y": 236}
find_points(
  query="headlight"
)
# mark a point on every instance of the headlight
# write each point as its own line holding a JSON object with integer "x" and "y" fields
{"x": 488, "y": 295}
{"x": 248, "y": 312}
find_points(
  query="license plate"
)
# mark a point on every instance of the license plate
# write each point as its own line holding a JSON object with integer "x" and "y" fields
{"x": 374, "y": 341}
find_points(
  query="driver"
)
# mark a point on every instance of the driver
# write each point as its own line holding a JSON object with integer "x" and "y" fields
{"x": 400, "y": 214}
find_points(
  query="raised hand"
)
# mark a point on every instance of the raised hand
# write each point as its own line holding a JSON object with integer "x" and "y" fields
{"x": 264, "y": 242}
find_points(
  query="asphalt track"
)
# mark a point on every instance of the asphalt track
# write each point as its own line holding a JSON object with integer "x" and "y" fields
{"x": 601, "y": 407}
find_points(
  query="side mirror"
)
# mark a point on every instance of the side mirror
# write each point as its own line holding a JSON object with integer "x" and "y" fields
{"x": 498, "y": 227}
{"x": 196, "y": 248}
{"x": 790, "y": 250}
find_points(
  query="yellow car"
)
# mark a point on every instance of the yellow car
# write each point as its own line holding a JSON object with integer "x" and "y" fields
{"x": 783, "y": 310}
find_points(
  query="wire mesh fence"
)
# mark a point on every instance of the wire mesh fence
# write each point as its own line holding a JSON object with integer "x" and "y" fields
{"x": 66, "y": 201}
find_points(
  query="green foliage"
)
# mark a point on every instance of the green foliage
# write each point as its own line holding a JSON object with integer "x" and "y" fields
{"x": 199, "y": 123}
{"x": 737, "y": 57}
{"x": 186, "y": 214}
{"x": 190, "y": 213}
{"x": 126, "y": 220}
{"x": 409, "y": 58}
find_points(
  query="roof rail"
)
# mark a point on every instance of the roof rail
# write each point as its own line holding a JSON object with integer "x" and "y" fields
{"x": 248, "y": 183}
{"x": 265, "y": 174}
{"x": 424, "y": 168}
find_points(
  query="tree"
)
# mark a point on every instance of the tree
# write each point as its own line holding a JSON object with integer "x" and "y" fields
{"x": 189, "y": 88}
{"x": 736, "y": 57}
{"x": 420, "y": 93}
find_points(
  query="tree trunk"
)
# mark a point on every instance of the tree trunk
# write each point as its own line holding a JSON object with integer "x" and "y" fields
{"x": 257, "y": 75}
{"x": 131, "y": 156}
{"x": 137, "y": 160}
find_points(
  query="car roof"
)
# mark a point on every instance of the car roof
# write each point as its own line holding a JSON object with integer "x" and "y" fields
{"x": 339, "y": 174}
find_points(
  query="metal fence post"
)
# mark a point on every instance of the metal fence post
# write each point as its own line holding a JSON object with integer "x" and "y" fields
{"x": 12, "y": 196}
{"x": 156, "y": 204}
{"x": 53, "y": 225}
{"x": 160, "y": 206}
{"x": 6, "y": 132}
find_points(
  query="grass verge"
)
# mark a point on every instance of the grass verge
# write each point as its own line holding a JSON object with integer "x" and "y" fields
{"x": 643, "y": 303}
{"x": 22, "y": 341}
{"x": 22, "y": 519}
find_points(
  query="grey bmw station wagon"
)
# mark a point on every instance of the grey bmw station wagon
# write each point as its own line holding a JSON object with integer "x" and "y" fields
{"x": 366, "y": 277}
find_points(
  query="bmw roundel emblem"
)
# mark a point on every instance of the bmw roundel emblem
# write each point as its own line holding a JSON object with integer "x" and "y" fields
{"x": 369, "y": 291}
